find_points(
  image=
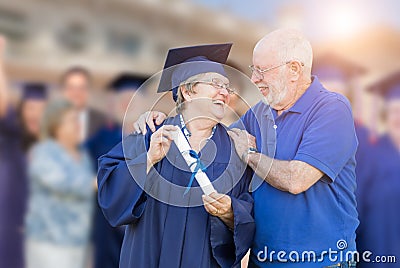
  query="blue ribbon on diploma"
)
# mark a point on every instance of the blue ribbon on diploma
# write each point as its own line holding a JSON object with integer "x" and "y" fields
{"x": 199, "y": 166}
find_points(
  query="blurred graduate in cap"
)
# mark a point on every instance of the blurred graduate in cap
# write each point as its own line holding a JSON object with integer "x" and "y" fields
{"x": 342, "y": 76}
{"x": 129, "y": 97}
{"x": 13, "y": 180}
{"x": 146, "y": 184}
{"x": 31, "y": 108}
{"x": 122, "y": 89}
{"x": 379, "y": 188}
{"x": 25, "y": 118}
{"x": 108, "y": 239}
{"x": 19, "y": 129}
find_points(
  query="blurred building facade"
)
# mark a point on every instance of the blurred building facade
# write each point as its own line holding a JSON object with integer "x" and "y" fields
{"x": 46, "y": 36}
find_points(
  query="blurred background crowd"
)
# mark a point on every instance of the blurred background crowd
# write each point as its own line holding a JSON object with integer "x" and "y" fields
{"x": 70, "y": 68}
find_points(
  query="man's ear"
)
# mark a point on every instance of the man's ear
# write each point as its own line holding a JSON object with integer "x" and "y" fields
{"x": 295, "y": 68}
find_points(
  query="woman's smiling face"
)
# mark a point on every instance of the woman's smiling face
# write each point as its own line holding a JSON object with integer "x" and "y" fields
{"x": 210, "y": 96}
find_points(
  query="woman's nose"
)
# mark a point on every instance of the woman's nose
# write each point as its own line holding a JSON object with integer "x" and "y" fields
{"x": 224, "y": 91}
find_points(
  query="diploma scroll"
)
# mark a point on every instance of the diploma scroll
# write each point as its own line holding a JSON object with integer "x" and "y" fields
{"x": 184, "y": 147}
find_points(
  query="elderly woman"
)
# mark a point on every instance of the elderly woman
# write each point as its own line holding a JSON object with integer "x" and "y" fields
{"x": 145, "y": 183}
{"x": 61, "y": 193}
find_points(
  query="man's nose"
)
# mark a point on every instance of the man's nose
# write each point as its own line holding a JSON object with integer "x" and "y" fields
{"x": 255, "y": 78}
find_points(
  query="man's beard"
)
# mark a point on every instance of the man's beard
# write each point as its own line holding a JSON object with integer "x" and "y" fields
{"x": 275, "y": 97}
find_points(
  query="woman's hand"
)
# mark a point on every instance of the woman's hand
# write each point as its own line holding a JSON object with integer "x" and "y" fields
{"x": 95, "y": 185}
{"x": 220, "y": 205}
{"x": 160, "y": 143}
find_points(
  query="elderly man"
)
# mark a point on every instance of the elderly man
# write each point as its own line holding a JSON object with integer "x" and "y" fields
{"x": 305, "y": 208}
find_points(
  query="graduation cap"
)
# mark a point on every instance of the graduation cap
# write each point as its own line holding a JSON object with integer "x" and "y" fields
{"x": 332, "y": 66}
{"x": 36, "y": 91}
{"x": 127, "y": 81}
{"x": 185, "y": 62}
{"x": 388, "y": 87}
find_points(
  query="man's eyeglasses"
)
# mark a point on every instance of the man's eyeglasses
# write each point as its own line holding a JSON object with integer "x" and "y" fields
{"x": 217, "y": 84}
{"x": 260, "y": 72}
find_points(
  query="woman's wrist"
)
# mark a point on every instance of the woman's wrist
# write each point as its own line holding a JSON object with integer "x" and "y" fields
{"x": 150, "y": 163}
{"x": 228, "y": 220}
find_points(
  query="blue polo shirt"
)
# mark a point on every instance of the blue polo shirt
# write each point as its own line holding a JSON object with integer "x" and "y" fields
{"x": 318, "y": 130}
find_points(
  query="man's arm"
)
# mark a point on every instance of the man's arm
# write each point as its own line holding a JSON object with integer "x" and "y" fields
{"x": 317, "y": 154}
{"x": 290, "y": 176}
{"x": 3, "y": 89}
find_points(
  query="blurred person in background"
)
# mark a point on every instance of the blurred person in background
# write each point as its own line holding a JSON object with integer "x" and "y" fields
{"x": 61, "y": 181}
{"x": 13, "y": 180}
{"x": 76, "y": 86}
{"x": 76, "y": 83}
{"x": 128, "y": 97}
{"x": 107, "y": 239}
{"x": 19, "y": 130}
{"x": 31, "y": 110}
{"x": 379, "y": 186}
{"x": 343, "y": 77}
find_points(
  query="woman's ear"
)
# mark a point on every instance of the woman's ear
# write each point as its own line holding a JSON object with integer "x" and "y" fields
{"x": 185, "y": 94}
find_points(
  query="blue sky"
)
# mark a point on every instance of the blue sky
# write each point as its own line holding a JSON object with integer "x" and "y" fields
{"x": 319, "y": 19}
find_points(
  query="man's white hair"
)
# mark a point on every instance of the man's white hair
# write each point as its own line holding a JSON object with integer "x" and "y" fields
{"x": 289, "y": 45}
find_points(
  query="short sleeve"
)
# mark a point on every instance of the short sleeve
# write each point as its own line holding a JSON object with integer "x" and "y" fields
{"x": 249, "y": 121}
{"x": 329, "y": 140}
{"x": 241, "y": 122}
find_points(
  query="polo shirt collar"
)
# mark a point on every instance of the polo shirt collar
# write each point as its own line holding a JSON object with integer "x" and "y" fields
{"x": 303, "y": 103}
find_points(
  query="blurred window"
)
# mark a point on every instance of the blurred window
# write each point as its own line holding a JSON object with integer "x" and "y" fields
{"x": 74, "y": 37}
{"x": 13, "y": 24}
{"x": 125, "y": 43}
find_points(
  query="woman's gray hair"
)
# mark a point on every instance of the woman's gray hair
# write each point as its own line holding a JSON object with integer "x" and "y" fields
{"x": 52, "y": 116}
{"x": 188, "y": 84}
